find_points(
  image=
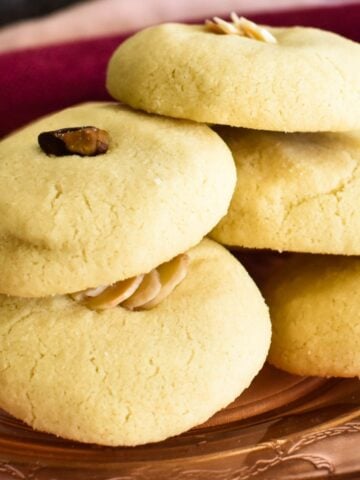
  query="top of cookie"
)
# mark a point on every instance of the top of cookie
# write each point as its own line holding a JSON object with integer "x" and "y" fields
{"x": 73, "y": 222}
{"x": 309, "y": 80}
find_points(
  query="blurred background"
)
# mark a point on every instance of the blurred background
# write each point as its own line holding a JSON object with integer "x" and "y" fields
{"x": 31, "y": 23}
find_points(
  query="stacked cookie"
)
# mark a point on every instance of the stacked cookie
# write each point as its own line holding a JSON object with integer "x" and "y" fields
{"x": 119, "y": 324}
{"x": 295, "y": 93}
{"x": 298, "y": 193}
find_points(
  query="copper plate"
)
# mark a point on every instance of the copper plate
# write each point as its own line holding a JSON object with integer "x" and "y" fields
{"x": 283, "y": 426}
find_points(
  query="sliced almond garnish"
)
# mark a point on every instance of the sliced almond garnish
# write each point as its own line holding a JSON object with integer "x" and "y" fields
{"x": 115, "y": 294}
{"x": 90, "y": 292}
{"x": 94, "y": 292}
{"x": 147, "y": 291}
{"x": 252, "y": 29}
{"x": 171, "y": 274}
{"x": 222, "y": 26}
{"x": 142, "y": 292}
{"x": 240, "y": 26}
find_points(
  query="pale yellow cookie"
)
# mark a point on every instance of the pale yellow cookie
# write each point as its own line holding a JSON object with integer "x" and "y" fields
{"x": 68, "y": 223}
{"x": 117, "y": 377}
{"x": 314, "y": 306}
{"x": 296, "y": 192}
{"x": 304, "y": 79}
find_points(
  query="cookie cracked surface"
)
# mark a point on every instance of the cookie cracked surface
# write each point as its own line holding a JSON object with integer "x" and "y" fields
{"x": 126, "y": 378}
{"x": 71, "y": 223}
{"x": 314, "y": 306}
{"x": 308, "y": 81}
{"x": 295, "y": 192}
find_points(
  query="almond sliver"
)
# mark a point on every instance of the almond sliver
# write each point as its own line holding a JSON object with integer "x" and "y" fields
{"x": 227, "y": 27}
{"x": 255, "y": 31}
{"x": 94, "y": 292}
{"x": 115, "y": 294}
{"x": 171, "y": 274}
{"x": 90, "y": 292}
{"x": 147, "y": 291}
{"x": 240, "y": 26}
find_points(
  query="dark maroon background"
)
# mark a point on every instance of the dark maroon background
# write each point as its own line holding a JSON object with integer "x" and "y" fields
{"x": 36, "y": 82}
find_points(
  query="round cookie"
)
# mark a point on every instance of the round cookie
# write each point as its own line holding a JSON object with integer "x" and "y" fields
{"x": 308, "y": 81}
{"x": 295, "y": 192}
{"x": 68, "y": 223}
{"x": 126, "y": 378}
{"x": 314, "y": 306}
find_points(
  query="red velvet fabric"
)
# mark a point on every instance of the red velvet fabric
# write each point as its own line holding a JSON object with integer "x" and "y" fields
{"x": 36, "y": 82}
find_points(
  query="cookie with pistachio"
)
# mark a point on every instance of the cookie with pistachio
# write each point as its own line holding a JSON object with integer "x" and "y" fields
{"x": 99, "y": 193}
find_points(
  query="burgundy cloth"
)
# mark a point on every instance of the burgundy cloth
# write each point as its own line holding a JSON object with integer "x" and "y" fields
{"x": 36, "y": 82}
